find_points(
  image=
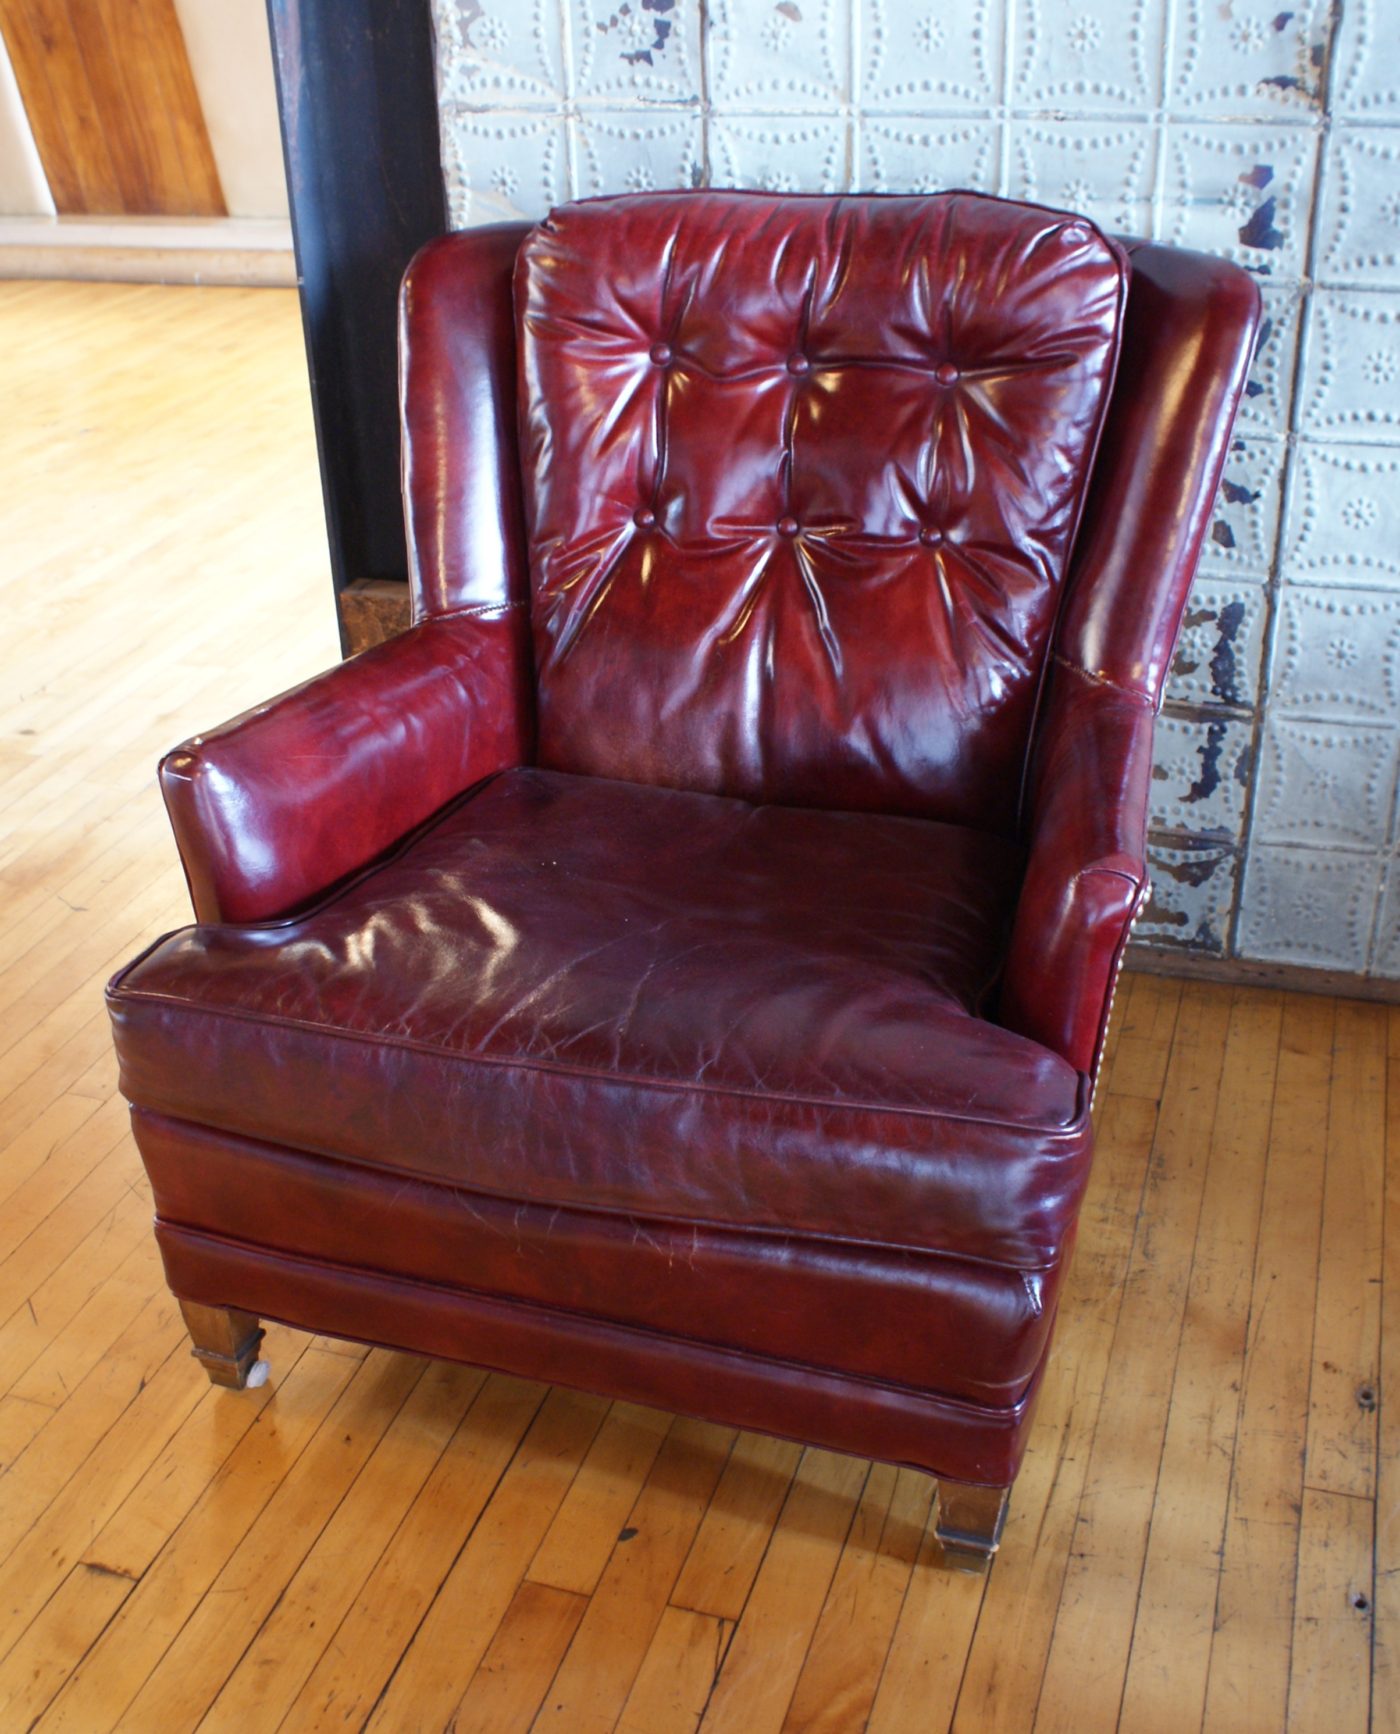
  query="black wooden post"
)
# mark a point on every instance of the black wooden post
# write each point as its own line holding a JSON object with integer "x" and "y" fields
{"x": 364, "y": 172}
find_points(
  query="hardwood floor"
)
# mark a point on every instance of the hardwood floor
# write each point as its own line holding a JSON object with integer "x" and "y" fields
{"x": 1207, "y": 1530}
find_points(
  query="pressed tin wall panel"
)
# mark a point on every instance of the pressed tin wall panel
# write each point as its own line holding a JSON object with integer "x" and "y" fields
{"x": 1264, "y": 131}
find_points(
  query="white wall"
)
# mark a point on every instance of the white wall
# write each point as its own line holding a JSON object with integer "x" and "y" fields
{"x": 24, "y": 192}
{"x": 231, "y": 58}
{"x": 1264, "y": 130}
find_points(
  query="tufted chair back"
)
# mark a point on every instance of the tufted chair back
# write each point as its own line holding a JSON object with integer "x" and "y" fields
{"x": 802, "y": 478}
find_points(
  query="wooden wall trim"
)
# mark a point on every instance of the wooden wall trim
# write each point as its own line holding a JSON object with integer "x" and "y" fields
{"x": 1249, "y": 972}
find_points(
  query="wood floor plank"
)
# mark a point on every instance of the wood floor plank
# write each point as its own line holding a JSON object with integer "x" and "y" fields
{"x": 53, "y": 1314}
{"x": 1001, "y": 1682}
{"x": 472, "y": 1600}
{"x": 515, "y": 1672}
{"x": 191, "y": 1672}
{"x": 1346, "y": 1338}
{"x": 1088, "y": 1656}
{"x": 1330, "y": 1684}
{"x": 1145, "y": 1037}
{"x": 276, "y": 1665}
{"x": 729, "y": 1547}
{"x": 1252, "y": 1636}
{"x": 836, "y": 1688}
{"x": 677, "y": 1674}
{"x": 579, "y": 1542}
{"x": 596, "y": 1676}
{"x": 764, "y": 1661}
{"x": 918, "y": 1690}
{"x": 1385, "y": 1692}
{"x": 81, "y": 1608}
{"x": 1172, "y": 1632}
{"x": 60, "y": 1453}
{"x": 192, "y": 1557}
{"x": 356, "y": 1665}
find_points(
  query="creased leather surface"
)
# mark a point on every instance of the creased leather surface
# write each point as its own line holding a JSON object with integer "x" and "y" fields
{"x": 1188, "y": 336}
{"x": 577, "y": 991}
{"x": 461, "y": 466}
{"x": 926, "y": 1429}
{"x": 278, "y": 805}
{"x": 802, "y": 475}
{"x": 968, "y": 1329}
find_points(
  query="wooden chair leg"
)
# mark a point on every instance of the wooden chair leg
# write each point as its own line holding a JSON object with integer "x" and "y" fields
{"x": 969, "y": 1523}
{"x": 225, "y": 1342}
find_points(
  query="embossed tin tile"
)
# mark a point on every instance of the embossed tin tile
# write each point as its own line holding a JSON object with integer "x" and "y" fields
{"x": 1359, "y": 224}
{"x": 1368, "y": 54}
{"x": 492, "y": 54}
{"x": 1243, "y": 59}
{"x": 637, "y": 151}
{"x": 1351, "y": 367}
{"x": 779, "y": 153}
{"x": 1336, "y": 655}
{"x": 1088, "y": 55}
{"x": 645, "y": 51}
{"x": 503, "y": 165}
{"x": 1242, "y": 192}
{"x": 1308, "y": 906}
{"x": 1244, "y": 524}
{"x": 1200, "y": 774}
{"x": 1194, "y": 885}
{"x": 922, "y": 58}
{"x": 1344, "y": 516}
{"x": 1101, "y": 170}
{"x": 899, "y": 154}
{"x": 1268, "y": 393}
{"x": 1325, "y": 783}
{"x": 775, "y": 55}
{"x": 1218, "y": 653}
{"x": 1385, "y": 954}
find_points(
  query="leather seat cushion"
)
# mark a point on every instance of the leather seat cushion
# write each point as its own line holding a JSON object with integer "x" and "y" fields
{"x": 662, "y": 1005}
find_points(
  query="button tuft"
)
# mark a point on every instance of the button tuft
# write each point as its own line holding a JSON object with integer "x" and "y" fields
{"x": 798, "y": 364}
{"x": 661, "y": 353}
{"x": 643, "y": 518}
{"x": 946, "y": 374}
{"x": 931, "y": 538}
{"x": 787, "y": 526}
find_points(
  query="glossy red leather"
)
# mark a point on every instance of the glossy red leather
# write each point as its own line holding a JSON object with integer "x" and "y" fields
{"x": 1188, "y": 338}
{"x": 461, "y": 471}
{"x": 284, "y": 801}
{"x": 724, "y": 600}
{"x": 773, "y": 1294}
{"x": 924, "y": 1428}
{"x": 586, "y": 993}
{"x": 515, "y": 1029}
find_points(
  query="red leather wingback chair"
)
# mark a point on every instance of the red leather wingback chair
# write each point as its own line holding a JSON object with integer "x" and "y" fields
{"x": 678, "y": 965}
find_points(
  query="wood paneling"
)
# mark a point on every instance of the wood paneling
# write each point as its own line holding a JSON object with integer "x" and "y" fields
{"x": 113, "y": 107}
{"x": 1204, "y": 1534}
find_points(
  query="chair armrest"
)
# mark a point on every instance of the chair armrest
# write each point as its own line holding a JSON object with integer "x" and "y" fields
{"x": 1086, "y": 875}
{"x": 281, "y": 803}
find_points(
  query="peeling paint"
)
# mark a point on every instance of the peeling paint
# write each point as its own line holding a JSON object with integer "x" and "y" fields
{"x": 1209, "y": 780}
{"x": 1221, "y": 534}
{"x": 1259, "y": 231}
{"x": 1224, "y": 664}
